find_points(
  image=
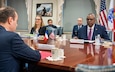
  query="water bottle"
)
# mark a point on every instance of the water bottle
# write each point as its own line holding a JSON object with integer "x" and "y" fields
{"x": 35, "y": 40}
{"x": 97, "y": 39}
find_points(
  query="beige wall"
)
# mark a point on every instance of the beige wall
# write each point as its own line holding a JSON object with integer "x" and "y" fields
{"x": 55, "y": 7}
{"x": 2, "y": 3}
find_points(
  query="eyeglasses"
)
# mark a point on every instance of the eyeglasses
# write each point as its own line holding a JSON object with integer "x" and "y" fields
{"x": 90, "y": 19}
{"x": 37, "y": 19}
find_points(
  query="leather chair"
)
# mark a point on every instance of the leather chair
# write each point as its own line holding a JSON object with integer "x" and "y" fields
{"x": 59, "y": 31}
{"x": 110, "y": 35}
{"x": 50, "y": 29}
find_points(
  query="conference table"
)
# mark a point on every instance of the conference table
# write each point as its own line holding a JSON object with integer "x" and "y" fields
{"x": 76, "y": 53}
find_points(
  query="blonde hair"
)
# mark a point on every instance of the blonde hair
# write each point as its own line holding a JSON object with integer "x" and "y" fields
{"x": 42, "y": 23}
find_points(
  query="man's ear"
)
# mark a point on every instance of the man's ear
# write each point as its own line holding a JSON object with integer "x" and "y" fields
{"x": 10, "y": 20}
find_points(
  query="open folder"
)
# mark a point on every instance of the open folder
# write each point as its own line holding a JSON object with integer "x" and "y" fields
{"x": 45, "y": 54}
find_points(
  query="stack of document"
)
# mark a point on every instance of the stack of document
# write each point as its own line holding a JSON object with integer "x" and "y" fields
{"x": 45, "y": 46}
{"x": 80, "y": 41}
{"x": 76, "y": 41}
{"x": 27, "y": 35}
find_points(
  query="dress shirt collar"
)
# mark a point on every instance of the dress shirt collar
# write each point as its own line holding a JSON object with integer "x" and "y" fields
{"x": 88, "y": 29}
{"x": 91, "y": 27}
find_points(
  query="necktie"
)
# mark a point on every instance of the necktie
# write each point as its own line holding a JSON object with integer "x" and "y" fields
{"x": 89, "y": 34}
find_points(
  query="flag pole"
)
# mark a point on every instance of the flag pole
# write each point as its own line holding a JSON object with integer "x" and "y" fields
{"x": 114, "y": 23}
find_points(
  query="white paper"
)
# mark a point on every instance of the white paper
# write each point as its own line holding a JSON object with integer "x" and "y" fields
{"x": 76, "y": 41}
{"x": 51, "y": 59}
{"x": 46, "y": 46}
{"x": 80, "y": 46}
{"x": 89, "y": 41}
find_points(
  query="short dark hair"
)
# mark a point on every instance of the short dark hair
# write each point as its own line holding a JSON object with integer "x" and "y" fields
{"x": 6, "y": 12}
{"x": 50, "y": 20}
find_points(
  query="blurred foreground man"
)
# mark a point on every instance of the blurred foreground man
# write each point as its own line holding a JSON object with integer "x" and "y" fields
{"x": 13, "y": 51}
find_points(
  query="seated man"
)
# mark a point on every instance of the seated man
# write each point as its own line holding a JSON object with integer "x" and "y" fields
{"x": 91, "y": 30}
{"x": 13, "y": 51}
{"x": 51, "y": 28}
{"x": 77, "y": 27}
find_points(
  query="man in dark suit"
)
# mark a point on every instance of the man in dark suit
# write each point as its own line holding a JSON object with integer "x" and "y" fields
{"x": 50, "y": 23}
{"x": 13, "y": 50}
{"x": 51, "y": 28}
{"x": 91, "y": 30}
{"x": 77, "y": 27}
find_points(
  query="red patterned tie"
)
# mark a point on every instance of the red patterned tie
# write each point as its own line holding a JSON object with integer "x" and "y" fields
{"x": 89, "y": 35}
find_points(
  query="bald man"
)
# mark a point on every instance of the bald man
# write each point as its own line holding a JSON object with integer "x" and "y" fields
{"x": 92, "y": 29}
{"x": 77, "y": 27}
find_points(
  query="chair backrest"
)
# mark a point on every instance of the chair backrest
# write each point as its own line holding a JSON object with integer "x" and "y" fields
{"x": 59, "y": 31}
{"x": 50, "y": 29}
{"x": 110, "y": 35}
{"x": 89, "y": 68}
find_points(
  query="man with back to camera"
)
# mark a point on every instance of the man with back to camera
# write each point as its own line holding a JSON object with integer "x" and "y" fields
{"x": 77, "y": 27}
{"x": 93, "y": 29}
{"x": 13, "y": 50}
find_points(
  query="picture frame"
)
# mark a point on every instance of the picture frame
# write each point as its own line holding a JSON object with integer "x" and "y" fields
{"x": 44, "y": 9}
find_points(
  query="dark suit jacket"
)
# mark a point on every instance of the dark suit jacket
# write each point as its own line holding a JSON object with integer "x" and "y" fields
{"x": 51, "y": 26}
{"x": 13, "y": 51}
{"x": 75, "y": 30}
{"x": 41, "y": 31}
{"x": 98, "y": 29}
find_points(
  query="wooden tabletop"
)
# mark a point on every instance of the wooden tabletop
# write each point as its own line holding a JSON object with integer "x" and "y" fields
{"x": 80, "y": 54}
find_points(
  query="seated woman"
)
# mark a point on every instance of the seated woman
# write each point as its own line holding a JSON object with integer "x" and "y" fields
{"x": 39, "y": 27}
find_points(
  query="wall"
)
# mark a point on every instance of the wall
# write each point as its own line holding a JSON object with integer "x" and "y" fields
{"x": 74, "y": 9}
{"x": 2, "y": 3}
{"x": 21, "y": 9}
{"x": 70, "y": 13}
{"x": 79, "y": 8}
{"x": 54, "y": 17}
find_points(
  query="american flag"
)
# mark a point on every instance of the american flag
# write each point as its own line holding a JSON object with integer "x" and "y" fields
{"x": 103, "y": 15}
{"x": 52, "y": 36}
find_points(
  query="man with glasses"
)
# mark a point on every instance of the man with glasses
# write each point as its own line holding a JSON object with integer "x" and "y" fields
{"x": 92, "y": 29}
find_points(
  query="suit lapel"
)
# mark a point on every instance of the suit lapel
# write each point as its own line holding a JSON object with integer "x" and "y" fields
{"x": 94, "y": 32}
{"x": 86, "y": 36}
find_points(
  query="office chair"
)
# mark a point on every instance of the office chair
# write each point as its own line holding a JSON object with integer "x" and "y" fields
{"x": 110, "y": 35}
{"x": 59, "y": 31}
{"x": 50, "y": 29}
{"x": 89, "y": 68}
